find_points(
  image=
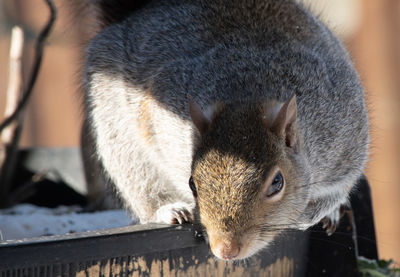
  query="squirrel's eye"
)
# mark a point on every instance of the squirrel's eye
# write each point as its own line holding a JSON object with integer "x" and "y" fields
{"x": 192, "y": 186}
{"x": 276, "y": 185}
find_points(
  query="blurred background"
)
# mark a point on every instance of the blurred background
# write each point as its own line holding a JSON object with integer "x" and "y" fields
{"x": 370, "y": 30}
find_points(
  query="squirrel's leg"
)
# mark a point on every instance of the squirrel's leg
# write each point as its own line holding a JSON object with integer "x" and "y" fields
{"x": 144, "y": 191}
{"x": 340, "y": 203}
{"x": 325, "y": 209}
{"x": 328, "y": 207}
{"x": 328, "y": 210}
{"x": 149, "y": 194}
{"x": 332, "y": 220}
{"x": 121, "y": 120}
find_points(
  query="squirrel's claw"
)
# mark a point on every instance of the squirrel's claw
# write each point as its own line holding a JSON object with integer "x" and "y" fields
{"x": 331, "y": 221}
{"x": 181, "y": 217}
{"x": 175, "y": 213}
{"x": 329, "y": 225}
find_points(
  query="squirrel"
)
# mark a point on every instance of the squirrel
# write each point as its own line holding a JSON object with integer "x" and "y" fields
{"x": 244, "y": 115}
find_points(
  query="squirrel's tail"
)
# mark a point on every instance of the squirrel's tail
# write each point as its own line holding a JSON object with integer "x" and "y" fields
{"x": 105, "y": 12}
{"x": 111, "y": 11}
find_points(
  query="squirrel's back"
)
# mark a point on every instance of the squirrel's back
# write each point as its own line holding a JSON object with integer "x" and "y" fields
{"x": 242, "y": 50}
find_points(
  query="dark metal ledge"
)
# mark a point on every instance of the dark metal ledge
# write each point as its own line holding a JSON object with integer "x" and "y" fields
{"x": 144, "y": 250}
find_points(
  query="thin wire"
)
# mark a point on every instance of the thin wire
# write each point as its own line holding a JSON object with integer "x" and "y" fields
{"x": 36, "y": 65}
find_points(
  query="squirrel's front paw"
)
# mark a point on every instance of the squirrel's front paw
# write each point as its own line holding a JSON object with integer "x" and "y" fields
{"x": 331, "y": 221}
{"x": 175, "y": 213}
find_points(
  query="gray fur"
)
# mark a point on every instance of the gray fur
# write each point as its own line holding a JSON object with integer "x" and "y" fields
{"x": 240, "y": 51}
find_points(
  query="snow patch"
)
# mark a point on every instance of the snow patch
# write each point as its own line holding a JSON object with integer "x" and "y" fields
{"x": 27, "y": 221}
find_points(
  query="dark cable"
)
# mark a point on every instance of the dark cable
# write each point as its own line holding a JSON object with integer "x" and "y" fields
{"x": 36, "y": 65}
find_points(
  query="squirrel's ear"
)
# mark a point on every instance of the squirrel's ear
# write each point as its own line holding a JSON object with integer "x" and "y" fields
{"x": 284, "y": 123}
{"x": 200, "y": 120}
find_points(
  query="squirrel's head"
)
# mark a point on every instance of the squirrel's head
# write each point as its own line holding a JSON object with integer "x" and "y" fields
{"x": 247, "y": 174}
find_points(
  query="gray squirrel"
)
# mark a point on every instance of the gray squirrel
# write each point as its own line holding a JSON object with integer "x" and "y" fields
{"x": 244, "y": 115}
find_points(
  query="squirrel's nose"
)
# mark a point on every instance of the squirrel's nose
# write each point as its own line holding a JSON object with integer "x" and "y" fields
{"x": 227, "y": 250}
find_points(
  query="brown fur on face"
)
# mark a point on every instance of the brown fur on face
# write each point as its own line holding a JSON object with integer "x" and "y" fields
{"x": 230, "y": 168}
